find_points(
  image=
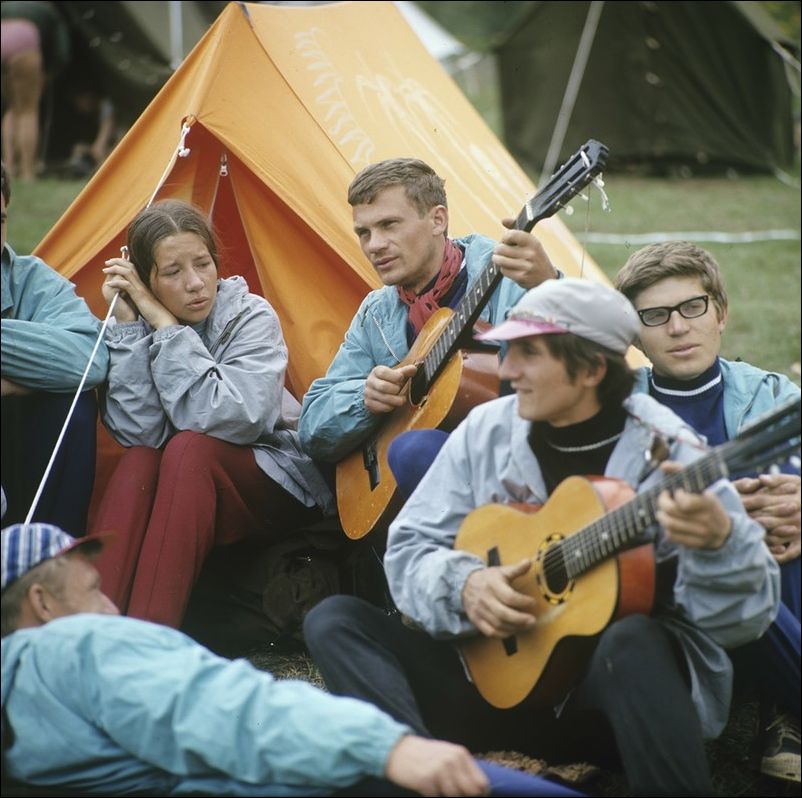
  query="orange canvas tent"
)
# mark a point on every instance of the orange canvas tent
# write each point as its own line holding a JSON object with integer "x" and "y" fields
{"x": 264, "y": 125}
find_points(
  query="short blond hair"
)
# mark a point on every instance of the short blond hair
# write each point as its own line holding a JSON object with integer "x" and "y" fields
{"x": 656, "y": 262}
{"x": 423, "y": 187}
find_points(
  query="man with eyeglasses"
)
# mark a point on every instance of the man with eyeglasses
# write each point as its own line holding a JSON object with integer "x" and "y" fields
{"x": 678, "y": 292}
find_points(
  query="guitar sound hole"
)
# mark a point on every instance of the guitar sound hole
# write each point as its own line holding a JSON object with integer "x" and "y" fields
{"x": 554, "y": 574}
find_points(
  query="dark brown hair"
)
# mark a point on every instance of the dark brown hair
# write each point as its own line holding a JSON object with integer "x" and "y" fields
{"x": 577, "y": 353}
{"x": 165, "y": 218}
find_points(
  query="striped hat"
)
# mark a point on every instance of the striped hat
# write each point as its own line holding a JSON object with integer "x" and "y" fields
{"x": 24, "y": 546}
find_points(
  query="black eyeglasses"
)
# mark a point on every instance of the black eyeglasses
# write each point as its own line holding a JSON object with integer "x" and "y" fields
{"x": 689, "y": 309}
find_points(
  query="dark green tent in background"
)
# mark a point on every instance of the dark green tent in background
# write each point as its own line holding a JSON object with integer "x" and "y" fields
{"x": 121, "y": 50}
{"x": 694, "y": 85}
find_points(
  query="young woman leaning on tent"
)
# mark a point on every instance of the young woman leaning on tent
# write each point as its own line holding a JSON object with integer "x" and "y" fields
{"x": 195, "y": 390}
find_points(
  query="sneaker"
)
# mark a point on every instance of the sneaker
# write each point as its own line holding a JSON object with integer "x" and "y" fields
{"x": 781, "y": 755}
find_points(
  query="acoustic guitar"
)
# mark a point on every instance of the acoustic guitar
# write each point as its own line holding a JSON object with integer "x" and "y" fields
{"x": 585, "y": 570}
{"x": 454, "y": 374}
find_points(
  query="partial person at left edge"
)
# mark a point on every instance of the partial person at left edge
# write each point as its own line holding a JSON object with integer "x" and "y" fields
{"x": 48, "y": 333}
{"x": 187, "y": 721}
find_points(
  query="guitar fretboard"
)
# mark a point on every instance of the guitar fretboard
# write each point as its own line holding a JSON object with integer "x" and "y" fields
{"x": 465, "y": 315}
{"x": 572, "y": 177}
{"x": 766, "y": 442}
{"x": 619, "y": 528}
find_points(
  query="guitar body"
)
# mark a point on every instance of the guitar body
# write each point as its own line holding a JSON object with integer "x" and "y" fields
{"x": 366, "y": 489}
{"x": 540, "y": 665}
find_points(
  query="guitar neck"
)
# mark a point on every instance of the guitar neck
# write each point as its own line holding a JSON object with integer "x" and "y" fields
{"x": 769, "y": 440}
{"x": 465, "y": 315}
{"x": 569, "y": 179}
{"x": 621, "y": 527}
{"x": 477, "y": 295}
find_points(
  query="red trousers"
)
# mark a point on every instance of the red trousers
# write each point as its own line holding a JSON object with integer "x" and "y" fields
{"x": 167, "y": 508}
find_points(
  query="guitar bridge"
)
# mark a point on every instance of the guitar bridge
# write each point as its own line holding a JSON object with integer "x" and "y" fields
{"x": 371, "y": 463}
{"x": 510, "y": 643}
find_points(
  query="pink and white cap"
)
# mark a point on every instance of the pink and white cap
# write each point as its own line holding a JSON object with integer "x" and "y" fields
{"x": 584, "y": 308}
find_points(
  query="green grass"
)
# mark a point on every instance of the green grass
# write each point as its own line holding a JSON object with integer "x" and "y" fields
{"x": 35, "y": 208}
{"x": 763, "y": 278}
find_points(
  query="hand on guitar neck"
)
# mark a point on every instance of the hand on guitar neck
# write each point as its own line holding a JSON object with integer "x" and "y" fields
{"x": 521, "y": 257}
{"x": 385, "y": 388}
{"x": 693, "y": 520}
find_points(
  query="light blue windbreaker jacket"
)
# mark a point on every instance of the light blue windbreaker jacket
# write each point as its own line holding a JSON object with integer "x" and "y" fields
{"x": 48, "y": 331}
{"x": 334, "y": 419}
{"x": 721, "y": 599}
{"x": 749, "y": 392}
{"x": 225, "y": 380}
{"x": 109, "y": 705}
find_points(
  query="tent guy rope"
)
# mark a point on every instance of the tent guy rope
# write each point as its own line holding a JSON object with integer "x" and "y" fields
{"x": 181, "y": 151}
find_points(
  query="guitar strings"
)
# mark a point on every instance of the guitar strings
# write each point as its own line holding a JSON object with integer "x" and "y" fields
{"x": 579, "y": 551}
{"x": 585, "y": 236}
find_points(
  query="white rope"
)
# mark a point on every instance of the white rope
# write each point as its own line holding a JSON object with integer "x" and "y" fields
{"x": 67, "y": 420}
{"x": 715, "y": 236}
{"x": 181, "y": 151}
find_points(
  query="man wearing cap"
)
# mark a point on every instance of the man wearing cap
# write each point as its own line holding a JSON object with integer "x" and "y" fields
{"x": 679, "y": 294}
{"x": 108, "y": 705}
{"x": 656, "y": 685}
{"x": 48, "y": 574}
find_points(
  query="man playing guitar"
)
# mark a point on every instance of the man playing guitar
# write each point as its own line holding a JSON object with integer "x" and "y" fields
{"x": 656, "y": 685}
{"x": 401, "y": 219}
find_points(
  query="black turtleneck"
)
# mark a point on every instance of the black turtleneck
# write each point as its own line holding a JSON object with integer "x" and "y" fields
{"x": 581, "y": 449}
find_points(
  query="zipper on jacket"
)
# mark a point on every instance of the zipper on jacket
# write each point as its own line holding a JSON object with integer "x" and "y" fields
{"x": 384, "y": 338}
{"x": 227, "y": 330}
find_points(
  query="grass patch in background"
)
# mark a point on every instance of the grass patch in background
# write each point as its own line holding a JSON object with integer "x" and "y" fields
{"x": 35, "y": 208}
{"x": 762, "y": 278}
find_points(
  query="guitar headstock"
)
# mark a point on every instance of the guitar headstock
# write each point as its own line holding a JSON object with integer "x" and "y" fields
{"x": 579, "y": 170}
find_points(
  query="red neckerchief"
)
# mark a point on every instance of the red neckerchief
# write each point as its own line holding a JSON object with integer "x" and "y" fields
{"x": 422, "y": 307}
